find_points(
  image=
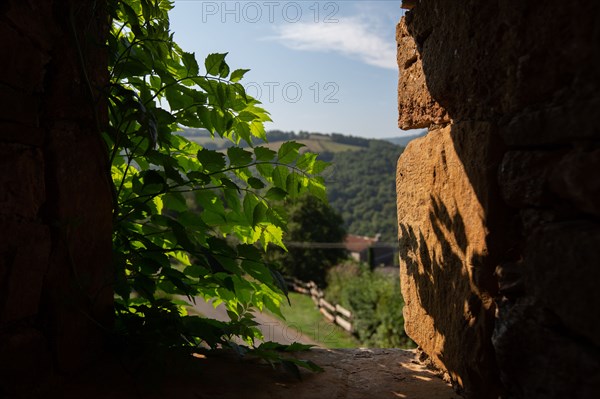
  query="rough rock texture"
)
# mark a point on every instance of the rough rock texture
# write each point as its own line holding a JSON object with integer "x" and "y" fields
{"x": 348, "y": 374}
{"x": 55, "y": 201}
{"x": 446, "y": 265}
{"x": 504, "y": 301}
{"x": 416, "y": 108}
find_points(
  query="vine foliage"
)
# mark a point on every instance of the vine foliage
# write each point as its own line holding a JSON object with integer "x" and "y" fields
{"x": 190, "y": 222}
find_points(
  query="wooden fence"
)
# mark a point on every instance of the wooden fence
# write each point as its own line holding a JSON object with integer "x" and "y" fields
{"x": 334, "y": 313}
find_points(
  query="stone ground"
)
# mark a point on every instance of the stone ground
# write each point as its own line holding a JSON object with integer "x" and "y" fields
{"x": 349, "y": 374}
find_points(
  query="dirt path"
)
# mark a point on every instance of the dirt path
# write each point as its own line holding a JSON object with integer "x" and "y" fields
{"x": 272, "y": 328}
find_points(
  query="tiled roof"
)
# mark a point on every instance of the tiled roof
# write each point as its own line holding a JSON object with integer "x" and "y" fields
{"x": 358, "y": 243}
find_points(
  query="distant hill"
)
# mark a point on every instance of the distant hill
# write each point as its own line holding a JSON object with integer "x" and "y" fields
{"x": 404, "y": 140}
{"x": 362, "y": 187}
{"x": 315, "y": 142}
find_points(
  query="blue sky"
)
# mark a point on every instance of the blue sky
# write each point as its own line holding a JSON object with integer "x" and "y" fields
{"x": 323, "y": 66}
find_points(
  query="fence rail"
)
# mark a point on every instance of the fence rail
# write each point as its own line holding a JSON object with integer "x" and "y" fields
{"x": 335, "y": 313}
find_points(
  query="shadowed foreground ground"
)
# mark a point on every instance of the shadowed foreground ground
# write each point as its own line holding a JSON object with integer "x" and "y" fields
{"x": 349, "y": 374}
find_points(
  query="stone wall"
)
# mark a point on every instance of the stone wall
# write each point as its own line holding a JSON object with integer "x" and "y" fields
{"x": 498, "y": 205}
{"x": 55, "y": 198}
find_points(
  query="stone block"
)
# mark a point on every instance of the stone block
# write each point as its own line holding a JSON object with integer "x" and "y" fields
{"x": 416, "y": 107}
{"x": 568, "y": 289}
{"x": 24, "y": 254}
{"x": 538, "y": 358}
{"x": 575, "y": 179}
{"x": 446, "y": 259}
{"x": 22, "y": 191}
{"x": 16, "y": 133}
{"x": 552, "y": 125}
{"x": 18, "y": 106}
{"x": 23, "y": 65}
{"x": 30, "y": 18}
{"x": 24, "y": 363}
{"x": 523, "y": 177}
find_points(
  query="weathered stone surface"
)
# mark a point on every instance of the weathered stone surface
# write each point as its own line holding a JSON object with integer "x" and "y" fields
{"x": 533, "y": 74}
{"x": 570, "y": 292}
{"x": 416, "y": 108}
{"x": 575, "y": 178}
{"x": 445, "y": 263}
{"x": 24, "y": 362}
{"x": 25, "y": 135}
{"x": 349, "y": 374}
{"x": 491, "y": 60}
{"x": 79, "y": 276}
{"x": 547, "y": 336}
{"x": 524, "y": 175}
{"x": 553, "y": 125}
{"x": 30, "y": 18}
{"x": 539, "y": 359}
{"x": 55, "y": 198}
{"x": 24, "y": 64}
{"x": 24, "y": 258}
{"x": 22, "y": 191}
{"x": 20, "y": 107}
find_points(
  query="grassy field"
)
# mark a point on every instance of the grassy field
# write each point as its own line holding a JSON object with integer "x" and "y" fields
{"x": 319, "y": 144}
{"x": 305, "y": 317}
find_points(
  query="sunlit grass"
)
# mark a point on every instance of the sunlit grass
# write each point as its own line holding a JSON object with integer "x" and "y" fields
{"x": 304, "y": 316}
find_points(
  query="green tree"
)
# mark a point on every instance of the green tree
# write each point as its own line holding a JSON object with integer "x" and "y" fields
{"x": 311, "y": 221}
{"x": 362, "y": 188}
{"x": 161, "y": 246}
{"x": 376, "y": 303}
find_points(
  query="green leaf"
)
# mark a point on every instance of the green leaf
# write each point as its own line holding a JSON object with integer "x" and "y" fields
{"x": 238, "y": 74}
{"x": 224, "y": 69}
{"x": 280, "y": 283}
{"x": 280, "y": 175}
{"x": 132, "y": 18}
{"x": 257, "y": 270}
{"x": 199, "y": 176}
{"x": 189, "y": 61}
{"x": 273, "y": 234}
{"x": 213, "y": 218}
{"x": 229, "y": 184}
{"x": 177, "y": 100}
{"x": 255, "y": 183}
{"x": 153, "y": 177}
{"x": 250, "y": 202}
{"x": 243, "y": 131}
{"x": 319, "y": 166}
{"x": 298, "y": 347}
{"x": 265, "y": 170}
{"x": 264, "y": 154}
{"x": 288, "y": 152}
{"x": 238, "y": 156}
{"x": 259, "y": 213}
{"x": 317, "y": 188}
{"x": 212, "y": 161}
{"x": 175, "y": 202}
{"x": 276, "y": 194}
{"x": 213, "y": 63}
{"x": 306, "y": 162}
{"x": 257, "y": 129}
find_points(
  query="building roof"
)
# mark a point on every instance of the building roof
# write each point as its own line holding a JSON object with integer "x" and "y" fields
{"x": 359, "y": 243}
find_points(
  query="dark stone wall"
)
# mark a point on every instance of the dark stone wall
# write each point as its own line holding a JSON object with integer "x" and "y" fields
{"x": 55, "y": 195}
{"x": 530, "y": 71}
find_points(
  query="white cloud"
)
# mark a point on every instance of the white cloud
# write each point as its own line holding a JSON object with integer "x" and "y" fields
{"x": 351, "y": 36}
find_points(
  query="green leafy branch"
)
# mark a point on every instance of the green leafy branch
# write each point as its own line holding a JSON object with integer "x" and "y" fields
{"x": 189, "y": 221}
